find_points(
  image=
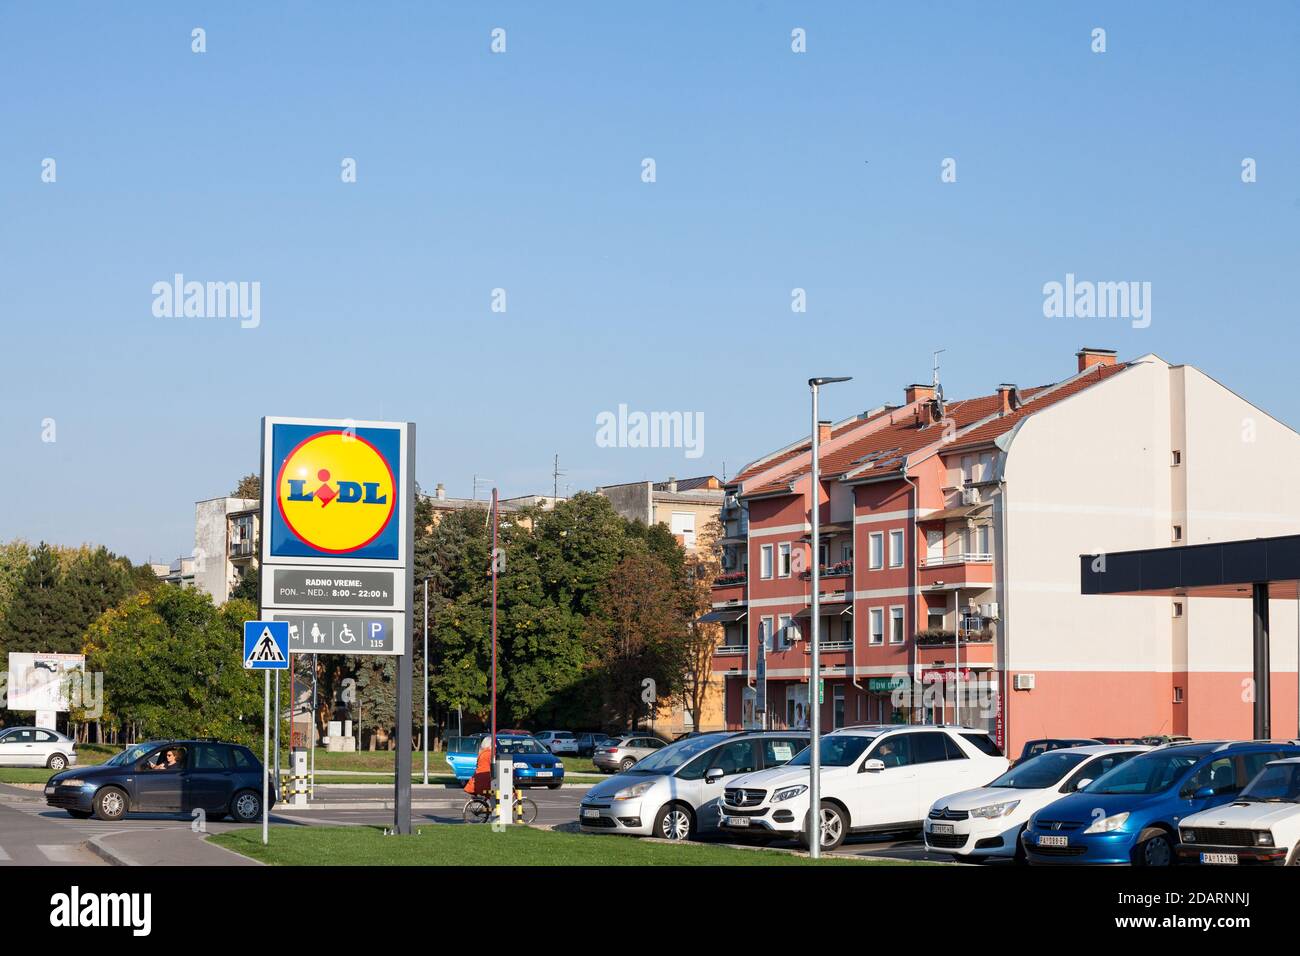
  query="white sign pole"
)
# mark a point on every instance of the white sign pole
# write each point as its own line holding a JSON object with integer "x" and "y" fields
{"x": 266, "y": 746}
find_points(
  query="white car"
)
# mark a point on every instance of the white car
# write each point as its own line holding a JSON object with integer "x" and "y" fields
{"x": 559, "y": 741}
{"x": 36, "y": 747}
{"x": 986, "y": 823}
{"x": 1261, "y": 826}
{"x": 873, "y": 778}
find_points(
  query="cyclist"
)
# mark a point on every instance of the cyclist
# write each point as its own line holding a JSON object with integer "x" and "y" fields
{"x": 480, "y": 784}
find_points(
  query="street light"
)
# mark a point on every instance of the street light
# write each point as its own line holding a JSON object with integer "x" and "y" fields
{"x": 814, "y": 680}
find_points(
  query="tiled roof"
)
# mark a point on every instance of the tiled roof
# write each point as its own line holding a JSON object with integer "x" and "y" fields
{"x": 882, "y": 451}
{"x": 801, "y": 447}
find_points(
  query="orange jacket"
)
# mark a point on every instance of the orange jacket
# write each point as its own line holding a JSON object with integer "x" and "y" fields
{"x": 481, "y": 782}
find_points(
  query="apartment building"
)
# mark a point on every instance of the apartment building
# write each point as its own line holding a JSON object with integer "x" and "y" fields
{"x": 951, "y": 534}
{"x": 685, "y": 505}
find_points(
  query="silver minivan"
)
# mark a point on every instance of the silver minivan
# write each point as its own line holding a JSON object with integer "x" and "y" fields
{"x": 676, "y": 792}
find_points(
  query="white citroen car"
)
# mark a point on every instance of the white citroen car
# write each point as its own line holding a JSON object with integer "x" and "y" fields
{"x": 37, "y": 747}
{"x": 875, "y": 778}
{"x": 1261, "y": 826}
{"x": 985, "y": 823}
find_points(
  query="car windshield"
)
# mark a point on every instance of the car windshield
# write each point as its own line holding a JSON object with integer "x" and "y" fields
{"x": 835, "y": 751}
{"x": 129, "y": 755}
{"x": 520, "y": 745}
{"x": 1040, "y": 772}
{"x": 671, "y": 758}
{"x": 1278, "y": 783}
{"x": 1154, "y": 772}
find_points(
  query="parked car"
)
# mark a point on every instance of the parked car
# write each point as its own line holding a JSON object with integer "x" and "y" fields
{"x": 1131, "y": 815}
{"x": 36, "y": 747}
{"x": 1261, "y": 826}
{"x": 165, "y": 776}
{"x": 558, "y": 741}
{"x": 874, "y": 778}
{"x": 1033, "y": 748}
{"x": 534, "y": 765}
{"x": 621, "y": 754}
{"x": 587, "y": 743}
{"x": 1122, "y": 741}
{"x": 675, "y": 792}
{"x": 462, "y": 755}
{"x": 985, "y": 823}
{"x": 1161, "y": 739}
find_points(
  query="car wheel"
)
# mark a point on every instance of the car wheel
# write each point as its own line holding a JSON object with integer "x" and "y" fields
{"x": 79, "y": 814}
{"x": 1155, "y": 850}
{"x": 246, "y": 806}
{"x": 110, "y": 804}
{"x": 627, "y": 764}
{"x": 674, "y": 821}
{"x": 553, "y": 786}
{"x": 1295, "y": 856}
{"x": 834, "y": 826}
{"x": 1020, "y": 858}
{"x": 57, "y": 762}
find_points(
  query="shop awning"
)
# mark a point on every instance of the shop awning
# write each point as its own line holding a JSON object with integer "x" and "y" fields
{"x": 724, "y": 615}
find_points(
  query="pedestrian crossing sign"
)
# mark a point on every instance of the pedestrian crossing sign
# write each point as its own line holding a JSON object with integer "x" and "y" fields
{"x": 266, "y": 645}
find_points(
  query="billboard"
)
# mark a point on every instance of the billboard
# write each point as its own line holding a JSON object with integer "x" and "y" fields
{"x": 38, "y": 682}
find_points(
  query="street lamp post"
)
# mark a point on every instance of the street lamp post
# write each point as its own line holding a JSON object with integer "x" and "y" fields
{"x": 814, "y": 679}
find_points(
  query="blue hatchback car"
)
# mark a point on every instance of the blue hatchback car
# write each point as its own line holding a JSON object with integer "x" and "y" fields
{"x": 165, "y": 776}
{"x": 1130, "y": 815}
{"x": 534, "y": 765}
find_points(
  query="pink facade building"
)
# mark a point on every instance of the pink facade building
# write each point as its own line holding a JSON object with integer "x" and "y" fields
{"x": 951, "y": 533}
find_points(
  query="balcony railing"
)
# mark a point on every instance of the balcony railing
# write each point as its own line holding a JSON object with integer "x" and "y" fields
{"x": 729, "y": 649}
{"x": 241, "y": 549}
{"x": 838, "y": 569}
{"x": 937, "y": 636}
{"x": 960, "y": 557}
{"x": 730, "y": 577}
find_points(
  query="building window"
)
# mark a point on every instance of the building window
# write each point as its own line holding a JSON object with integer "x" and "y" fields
{"x": 935, "y": 619}
{"x": 876, "y": 557}
{"x": 783, "y": 559}
{"x": 766, "y": 554}
{"x": 1178, "y": 695}
{"x": 788, "y": 631}
{"x": 846, "y": 553}
{"x": 1178, "y": 609}
{"x": 823, "y": 553}
{"x": 765, "y": 633}
{"x": 1178, "y": 532}
{"x": 683, "y": 527}
{"x": 1176, "y": 458}
{"x": 895, "y": 625}
{"x": 896, "y": 549}
{"x": 877, "y": 625}
{"x": 982, "y": 539}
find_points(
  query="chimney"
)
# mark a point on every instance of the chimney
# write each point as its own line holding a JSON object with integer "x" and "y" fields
{"x": 672, "y": 483}
{"x": 918, "y": 393}
{"x": 440, "y": 492}
{"x": 1089, "y": 357}
{"x": 823, "y": 431}
{"x": 1007, "y": 398}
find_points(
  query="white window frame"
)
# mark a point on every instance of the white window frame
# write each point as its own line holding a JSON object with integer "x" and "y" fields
{"x": 846, "y": 551}
{"x": 784, "y": 624}
{"x": 876, "y": 637}
{"x": 902, "y": 617}
{"x": 765, "y": 633}
{"x": 678, "y": 524}
{"x": 983, "y": 539}
{"x": 784, "y": 559}
{"x": 934, "y": 538}
{"x": 876, "y": 550}
{"x": 766, "y": 562}
{"x": 896, "y": 555}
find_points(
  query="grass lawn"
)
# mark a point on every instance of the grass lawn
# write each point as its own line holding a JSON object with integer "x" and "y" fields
{"x": 465, "y": 845}
{"x": 87, "y": 756}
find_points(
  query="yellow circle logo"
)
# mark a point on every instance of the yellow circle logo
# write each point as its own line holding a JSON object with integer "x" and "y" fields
{"x": 336, "y": 491}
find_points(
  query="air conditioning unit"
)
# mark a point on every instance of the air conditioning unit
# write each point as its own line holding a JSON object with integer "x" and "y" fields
{"x": 1023, "y": 682}
{"x": 989, "y": 611}
{"x": 970, "y": 496}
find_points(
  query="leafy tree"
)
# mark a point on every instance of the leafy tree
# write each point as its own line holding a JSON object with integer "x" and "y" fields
{"x": 42, "y": 614}
{"x": 701, "y": 640}
{"x": 14, "y": 558}
{"x": 250, "y": 486}
{"x": 249, "y": 587}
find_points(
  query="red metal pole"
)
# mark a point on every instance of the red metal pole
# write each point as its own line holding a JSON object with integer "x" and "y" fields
{"x": 494, "y": 624}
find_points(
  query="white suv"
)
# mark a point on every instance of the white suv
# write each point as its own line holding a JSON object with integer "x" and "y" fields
{"x": 874, "y": 778}
{"x": 1261, "y": 826}
{"x": 558, "y": 741}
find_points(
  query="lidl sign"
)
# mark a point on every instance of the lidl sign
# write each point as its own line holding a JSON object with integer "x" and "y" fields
{"x": 334, "y": 491}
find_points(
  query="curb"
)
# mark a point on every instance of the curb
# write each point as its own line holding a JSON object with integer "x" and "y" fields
{"x": 104, "y": 853}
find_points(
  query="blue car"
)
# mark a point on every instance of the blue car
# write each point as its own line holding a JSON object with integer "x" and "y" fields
{"x": 1130, "y": 815}
{"x": 534, "y": 765}
{"x": 165, "y": 776}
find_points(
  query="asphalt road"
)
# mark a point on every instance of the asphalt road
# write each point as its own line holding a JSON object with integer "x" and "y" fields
{"x": 32, "y": 833}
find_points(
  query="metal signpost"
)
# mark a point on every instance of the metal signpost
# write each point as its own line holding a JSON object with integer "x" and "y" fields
{"x": 338, "y": 543}
{"x": 266, "y": 648}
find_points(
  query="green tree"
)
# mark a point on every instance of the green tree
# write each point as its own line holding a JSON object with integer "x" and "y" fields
{"x": 250, "y": 486}
{"x": 14, "y": 558}
{"x": 42, "y": 614}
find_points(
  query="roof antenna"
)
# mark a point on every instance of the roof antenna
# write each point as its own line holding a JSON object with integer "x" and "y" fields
{"x": 556, "y": 475}
{"x": 938, "y": 389}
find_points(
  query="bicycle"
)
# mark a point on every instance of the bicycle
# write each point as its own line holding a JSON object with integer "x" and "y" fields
{"x": 480, "y": 809}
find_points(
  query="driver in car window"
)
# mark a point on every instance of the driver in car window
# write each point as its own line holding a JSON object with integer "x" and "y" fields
{"x": 888, "y": 754}
{"x": 168, "y": 759}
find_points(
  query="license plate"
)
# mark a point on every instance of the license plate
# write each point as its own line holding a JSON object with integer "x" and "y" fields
{"x": 944, "y": 828}
{"x": 1228, "y": 858}
{"x": 542, "y": 773}
{"x": 735, "y": 821}
{"x": 1045, "y": 840}
{"x": 48, "y": 791}
{"x": 590, "y": 814}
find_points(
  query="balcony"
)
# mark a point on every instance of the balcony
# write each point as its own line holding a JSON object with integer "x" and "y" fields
{"x": 940, "y": 637}
{"x": 242, "y": 549}
{"x": 724, "y": 649}
{"x": 838, "y": 569}
{"x": 963, "y": 569}
{"x": 729, "y": 578}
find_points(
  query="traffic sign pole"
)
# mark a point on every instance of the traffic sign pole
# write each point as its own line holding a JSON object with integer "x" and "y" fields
{"x": 266, "y": 747}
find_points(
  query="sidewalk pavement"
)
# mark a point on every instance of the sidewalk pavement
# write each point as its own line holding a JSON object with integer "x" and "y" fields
{"x": 163, "y": 847}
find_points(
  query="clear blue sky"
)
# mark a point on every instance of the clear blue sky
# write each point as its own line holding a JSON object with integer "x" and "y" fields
{"x": 522, "y": 171}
